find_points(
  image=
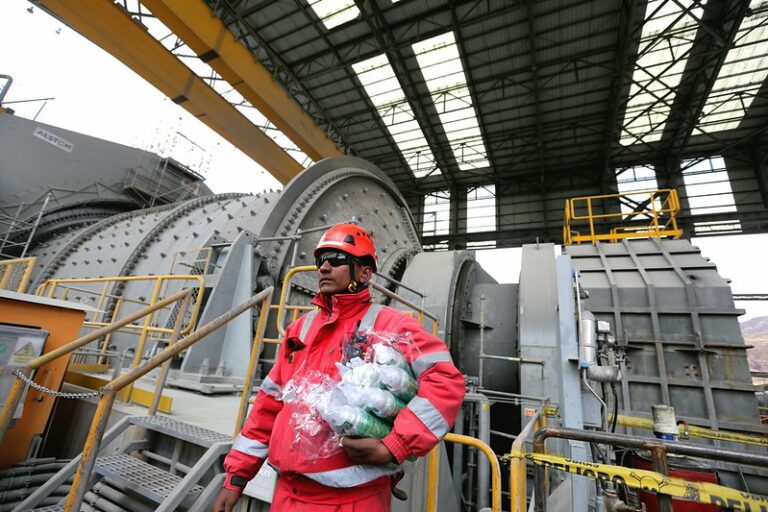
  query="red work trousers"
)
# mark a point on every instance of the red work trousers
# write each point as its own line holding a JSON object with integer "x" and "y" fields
{"x": 298, "y": 495}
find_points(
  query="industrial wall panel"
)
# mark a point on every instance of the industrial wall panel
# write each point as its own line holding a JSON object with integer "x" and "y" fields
{"x": 675, "y": 319}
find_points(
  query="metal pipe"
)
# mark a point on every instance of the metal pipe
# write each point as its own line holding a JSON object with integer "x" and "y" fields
{"x": 495, "y": 468}
{"x": 65, "y": 474}
{"x": 174, "y": 464}
{"x": 656, "y": 446}
{"x": 93, "y": 441}
{"x": 483, "y": 467}
{"x": 165, "y": 368}
{"x": 482, "y": 343}
{"x": 604, "y": 408}
{"x": 517, "y": 475}
{"x": 103, "y": 504}
{"x": 6, "y": 87}
{"x": 522, "y": 360}
{"x": 121, "y": 499}
{"x": 14, "y": 395}
{"x": 433, "y": 464}
{"x": 646, "y": 443}
{"x": 284, "y": 292}
{"x": 659, "y": 458}
{"x": 458, "y": 451}
{"x": 400, "y": 285}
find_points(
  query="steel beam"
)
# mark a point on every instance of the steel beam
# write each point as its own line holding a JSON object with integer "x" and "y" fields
{"x": 110, "y": 27}
{"x": 195, "y": 24}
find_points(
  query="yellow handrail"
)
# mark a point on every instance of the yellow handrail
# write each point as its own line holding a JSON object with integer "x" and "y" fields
{"x": 517, "y": 471}
{"x": 663, "y": 207}
{"x": 108, "y": 393}
{"x": 495, "y": 467}
{"x": 49, "y": 288}
{"x": 693, "y": 431}
{"x": 8, "y": 270}
{"x": 284, "y": 293}
{"x": 252, "y": 362}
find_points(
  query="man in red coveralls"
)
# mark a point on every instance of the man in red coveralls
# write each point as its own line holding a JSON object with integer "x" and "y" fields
{"x": 359, "y": 477}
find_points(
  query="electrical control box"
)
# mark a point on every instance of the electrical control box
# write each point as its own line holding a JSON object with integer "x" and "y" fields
{"x": 18, "y": 347}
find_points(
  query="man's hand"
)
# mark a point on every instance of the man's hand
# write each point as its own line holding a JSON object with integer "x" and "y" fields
{"x": 226, "y": 501}
{"x": 367, "y": 451}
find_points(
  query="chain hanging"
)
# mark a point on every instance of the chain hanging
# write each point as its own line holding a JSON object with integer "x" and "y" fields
{"x": 29, "y": 382}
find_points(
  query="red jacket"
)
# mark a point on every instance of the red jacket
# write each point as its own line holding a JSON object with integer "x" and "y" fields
{"x": 417, "y": 429}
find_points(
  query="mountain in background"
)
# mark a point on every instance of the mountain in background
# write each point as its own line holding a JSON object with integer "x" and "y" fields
{"x": 755, "y": 331}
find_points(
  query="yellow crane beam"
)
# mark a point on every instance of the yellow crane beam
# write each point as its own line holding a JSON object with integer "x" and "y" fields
{"x": 195, "y": 24}
{"x": 109, "y": 26}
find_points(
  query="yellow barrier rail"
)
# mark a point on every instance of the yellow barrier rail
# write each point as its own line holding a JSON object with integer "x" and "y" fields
{"x": 517, "y": 456}
{"x": 495, "y": 467}
{"x": 658, "y": 480}
{"x": 693, "y": 431}
{"x": 97, "y": 292}
{"x": 658, "y": 207}
{"x": 14, "y": 274}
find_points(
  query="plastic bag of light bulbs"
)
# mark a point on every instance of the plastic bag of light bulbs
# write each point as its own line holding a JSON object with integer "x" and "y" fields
{"x": 369, "y": 387}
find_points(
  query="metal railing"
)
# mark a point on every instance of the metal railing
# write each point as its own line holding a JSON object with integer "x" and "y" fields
{"x": 659, "y": 208}
{"x": 687, "y": 431}
{"x": 517, "y": 467}
{"x": 14, "y": 274}
{"x": 495, "y": 469}
{"x": 109, "y": 392}
{"x": 96, "y": 291}
{"x": 657, "y": 481}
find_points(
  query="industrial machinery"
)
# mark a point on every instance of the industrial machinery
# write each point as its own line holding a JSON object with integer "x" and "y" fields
{"x": 587, "y": 344}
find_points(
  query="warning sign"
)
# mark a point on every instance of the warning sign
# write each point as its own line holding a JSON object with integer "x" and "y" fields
{"x": 24, "y": 355}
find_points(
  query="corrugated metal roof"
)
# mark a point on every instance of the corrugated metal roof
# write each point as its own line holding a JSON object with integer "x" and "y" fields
{"x": 556, "y": 86}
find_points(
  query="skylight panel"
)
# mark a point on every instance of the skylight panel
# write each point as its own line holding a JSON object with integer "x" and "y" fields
{"x": 335, "y": 12}
{"x": 707, "y": 186}
{"x": 443, "y": 72}
{"x": 743, "y": 72}
{"x": 381, "y": 85}
{"x": 668, "y": 34}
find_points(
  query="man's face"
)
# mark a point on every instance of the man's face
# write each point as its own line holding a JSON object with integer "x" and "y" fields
{"x": 333, "y": 271}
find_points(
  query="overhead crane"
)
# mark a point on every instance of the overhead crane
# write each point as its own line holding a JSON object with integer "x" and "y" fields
{"x": 112, "y": 28}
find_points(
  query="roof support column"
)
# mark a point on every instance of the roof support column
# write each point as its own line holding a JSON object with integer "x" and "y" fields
{"x": 761, "y": 173}
{"x": 458, "y": 216}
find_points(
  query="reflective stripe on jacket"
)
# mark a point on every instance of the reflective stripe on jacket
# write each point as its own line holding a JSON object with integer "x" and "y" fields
{"x": 314, "y": 342}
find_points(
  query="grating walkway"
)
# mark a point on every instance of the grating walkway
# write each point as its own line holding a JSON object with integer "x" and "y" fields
{"x": 144, "y": 479}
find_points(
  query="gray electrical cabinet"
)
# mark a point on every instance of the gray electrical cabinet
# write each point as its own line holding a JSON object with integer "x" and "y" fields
{"x": 18, "y": 347}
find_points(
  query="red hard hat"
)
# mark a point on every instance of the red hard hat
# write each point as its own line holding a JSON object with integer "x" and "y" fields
{"x": 351, "y": 239}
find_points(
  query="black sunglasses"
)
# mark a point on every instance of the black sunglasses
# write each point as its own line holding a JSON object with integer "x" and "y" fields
{"x": 334, "y": 259}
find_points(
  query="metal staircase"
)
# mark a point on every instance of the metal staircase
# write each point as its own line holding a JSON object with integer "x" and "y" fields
{"x": 164, "y": 465}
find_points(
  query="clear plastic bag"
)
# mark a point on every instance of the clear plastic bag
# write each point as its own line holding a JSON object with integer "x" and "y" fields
{"x": 309, "y": 394}
{"x": 373, "y": 385}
